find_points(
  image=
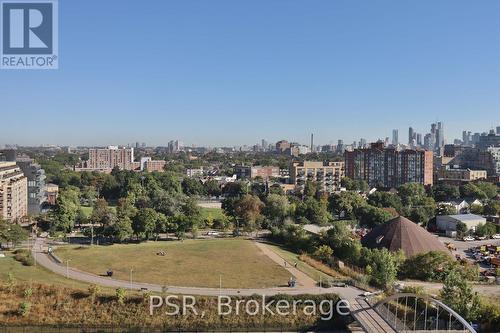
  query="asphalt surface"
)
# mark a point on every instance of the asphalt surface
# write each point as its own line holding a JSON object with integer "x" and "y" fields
{"x": 305, "y": 285}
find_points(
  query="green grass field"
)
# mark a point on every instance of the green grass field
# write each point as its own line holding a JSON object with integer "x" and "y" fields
{"x": 193, "y": 263}
{"x": 212, "y": 212}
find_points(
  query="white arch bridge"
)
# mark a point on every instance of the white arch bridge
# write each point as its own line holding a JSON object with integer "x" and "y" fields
{"x": 407, "y": 313}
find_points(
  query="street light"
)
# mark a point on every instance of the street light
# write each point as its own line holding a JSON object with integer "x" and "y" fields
{"x": 131, "y": 270}
{"x": 67, "y": 268}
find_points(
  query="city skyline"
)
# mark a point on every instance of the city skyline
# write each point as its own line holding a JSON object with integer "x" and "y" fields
{"x": 233, "y": 73}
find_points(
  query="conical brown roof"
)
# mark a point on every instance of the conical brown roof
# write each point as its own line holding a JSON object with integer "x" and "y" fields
{"x": 401, "y": 233}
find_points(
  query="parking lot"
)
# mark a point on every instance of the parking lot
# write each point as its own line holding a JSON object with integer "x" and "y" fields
{"x": 462, "y": 246}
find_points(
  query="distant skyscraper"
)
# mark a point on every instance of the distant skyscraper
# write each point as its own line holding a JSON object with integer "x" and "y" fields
{"x": 419, "y": 139}
{"x": 498, "y": 130}
{"x": 439, "y": 135}
{"x": 312, "y": 142}
{"x": 411, "y": 135}
{"x": 395, "y": 137}
{"x": 362, "y": 143}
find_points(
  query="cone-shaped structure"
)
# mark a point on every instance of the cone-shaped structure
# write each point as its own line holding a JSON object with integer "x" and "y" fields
{"x": 401, "y": 233}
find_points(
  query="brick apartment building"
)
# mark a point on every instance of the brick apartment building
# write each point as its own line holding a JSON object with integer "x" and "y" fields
{"x": 328, "y": 174}
{"x": 389, "y": 167}
{"x": 13, "y": 192}
{"x": 105, "y": 159}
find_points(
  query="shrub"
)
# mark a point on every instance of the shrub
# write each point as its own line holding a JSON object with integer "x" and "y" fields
{"x": 24, "y": 308}
{"x": 24, "y": 257}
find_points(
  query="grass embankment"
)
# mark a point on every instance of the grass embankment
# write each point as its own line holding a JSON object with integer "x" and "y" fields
{"x": 192, "y": 263}
{"x": 40, "y": 305}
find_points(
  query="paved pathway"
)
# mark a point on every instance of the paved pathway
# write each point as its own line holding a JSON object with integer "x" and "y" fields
{"x": 306, "y": 284}
{"x": 302, "y": 279}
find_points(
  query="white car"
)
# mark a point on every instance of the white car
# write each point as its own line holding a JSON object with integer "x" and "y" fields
{"x": 480, "y": 237}
{"x": 213, "y": 233}
{"x": 468, "y": 238}
{"x": 496, "y": 236}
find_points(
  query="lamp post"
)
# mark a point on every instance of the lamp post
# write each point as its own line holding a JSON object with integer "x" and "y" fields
{"x": 131, "y": 270}
{"x": 67, "y": 268}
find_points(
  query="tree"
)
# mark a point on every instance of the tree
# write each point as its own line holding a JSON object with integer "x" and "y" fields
{"x": 458, "y": 295}
{"x": 486, "y": 229}
{"x": 144, "y": 223}
{"x": 371, "y": 216}
{"x": 345, "y": 203}
{"x": 425, "y": 266}
{"x": 323, "y": 253}
{"x": 476, "y": 209}
{"x": 470, "y": 190}
{"x": 461, "y": 228}
{"x": 122, "y": 229}
{"x": 492, "y": 208}
{"x": 489, "y": 189}
{"x": 384, "y": 267}
{"x": 11, "y": 233}
{"x": 446, "y": 209}
{"x": 354, "y": 185}
{"x": 248, "y": 210}
{"x": 445, "y": 192}
{"x": 385, "y": 200}
{"x": 276, "y": 208}
{"x": 65, "y": 212}
{"x": 212, "y": 188}
{"x": 192, "y": 186}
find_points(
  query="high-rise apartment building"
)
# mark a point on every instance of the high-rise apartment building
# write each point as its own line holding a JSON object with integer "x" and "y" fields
{"x": 411, "y": 136}
{"x": 389, "y": 167}
{"x": 13, "y": 192}
{"x": 106, "y": 159}
{"x": 36, "y": 183}
{"x": 327, "y": 174}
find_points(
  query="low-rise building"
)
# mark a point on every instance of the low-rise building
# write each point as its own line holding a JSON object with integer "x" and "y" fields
{"x": 13, "y": 192}
{"x": 449, "y": 222}
{"x": 51, "y": 193}
{"x": 194, "y": 172}
{"x": 251, "y": 172}
{"x": 327, "y": 174}
{"x": 459, "y": 176}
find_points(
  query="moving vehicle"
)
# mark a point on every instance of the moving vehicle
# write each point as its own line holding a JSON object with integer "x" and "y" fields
{"x": 213, "y": 233}
{"x": 480, "y": 237}
{"x": 496, "y": 236}
{"x": 468, "y": 238}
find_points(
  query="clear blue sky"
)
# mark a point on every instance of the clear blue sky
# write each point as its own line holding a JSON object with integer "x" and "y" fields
{"x": 233, "y": 72}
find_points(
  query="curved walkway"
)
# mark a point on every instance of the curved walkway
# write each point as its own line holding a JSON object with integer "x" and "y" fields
{"x": 306, "y": 285}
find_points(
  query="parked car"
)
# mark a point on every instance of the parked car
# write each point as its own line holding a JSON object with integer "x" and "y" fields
{"x": 213, "y": 233}
{"x": 468, "y": 238}
{"x": 480, "y": 237}
{"x": 496, "y": 236}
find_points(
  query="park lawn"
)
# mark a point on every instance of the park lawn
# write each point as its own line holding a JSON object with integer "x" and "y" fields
{"x": 292, "y": 258}
{"x": 37, "y": 273}
{"x": 191, "y": 263}
{"x": 214, "y": 213}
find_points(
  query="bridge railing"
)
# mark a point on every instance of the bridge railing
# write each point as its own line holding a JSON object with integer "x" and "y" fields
{"x": 414, "y": 313}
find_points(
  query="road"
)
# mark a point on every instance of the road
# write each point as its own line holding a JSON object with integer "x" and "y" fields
{"x": 433, "y": 288}
{"x": 306, "y": 285}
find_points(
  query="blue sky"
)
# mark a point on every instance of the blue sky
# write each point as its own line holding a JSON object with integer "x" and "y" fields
{"x": 233, "y": 72}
